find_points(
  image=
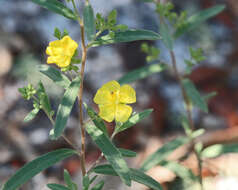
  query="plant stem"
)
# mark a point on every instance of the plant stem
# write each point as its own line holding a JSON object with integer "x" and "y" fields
{"x": 188, "y": 111}
{"x": 80, "y": 97}
{"x": 199, "y": 169}
{"x": 188, "y": 106}
{"x": 80, "y": 94}
{"x": 185, "y": 97}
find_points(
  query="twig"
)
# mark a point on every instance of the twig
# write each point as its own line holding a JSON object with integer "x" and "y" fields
{"x": 80, "y": 97}
{"x": 187, "y": 105}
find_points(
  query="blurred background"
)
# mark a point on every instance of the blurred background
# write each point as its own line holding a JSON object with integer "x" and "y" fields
{"x": 25, "y": 31}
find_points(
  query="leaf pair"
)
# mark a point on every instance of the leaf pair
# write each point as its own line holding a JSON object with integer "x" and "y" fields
{"x": 67, "y": 101}
{"x": 111, "y": 153}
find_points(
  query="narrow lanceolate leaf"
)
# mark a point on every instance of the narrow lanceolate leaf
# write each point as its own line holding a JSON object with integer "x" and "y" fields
{"x": 31, "y": 115}
{"x": 136, "y": 175}
{"x": 96, "y": 119}
{"x": 179, "y": 170}
{"x": 57, "y": 7}
{"x": 89, "y": 22}
{"x": 147, "y": 1}
{"x": 141, "y": 73}
{"x": 55, "y": 75}
{"x": 36, "y": 166}
{"x": 162, "y": 153}
{"x": 54, "y": 186}
{"x": 86, "y": 182}
{"x": 126, "y": 36}
{"x": 112, "y": 154}
{"x": 67, "y": 179}
{"x": 195, "y": 20}
{"x": 44, "y": 99}
{"x": 127, "y": 153}
{"x": 141, "y": 177}
{"x": 98, "y": 186}
{"x": 65, "y": 108}
{"x": 134, "y": 119}
{"x": 166, "y": 36}
{"x": 194, "y": 95}
{"x": 219, "y": 149}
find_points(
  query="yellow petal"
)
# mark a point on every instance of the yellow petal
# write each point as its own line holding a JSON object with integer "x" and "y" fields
{"x": 69, "y": 45}
{"x": 107, "y": 112}
{"x": 127, "y": 94}
{"x": 51, "y": 59}
{"x": 103, "y": 97}
{"x": 64, "y": 62}
{"x": 111, "y": 86}
{"x": 123, "y": 112}
{"x": 55, "y": 43}
{"x": 48, "y": 50}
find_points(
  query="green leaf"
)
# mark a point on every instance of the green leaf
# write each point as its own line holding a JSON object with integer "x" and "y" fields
{"x": 127, "y": 153}
{"x": 166, "y": 36}
{"x": 112, "y": 17}
{"x": 219, "y": 149}
{"x": 96, "y": 119}
{"x": 44, "y": 99}
{"x": 89, "y": 22}
{"x": 126, "y": 36}
{"x": 163, "y": 152}
{"x": 93, "y": 179}
{"x": 147, "y": 1}
{"x": 55, "y": 75}
{"x": 65, "y": 108}
{"x": 57, "y": 33}
{"x": 195, "y": 20}
{"x": 134, "y": 119}
{"x": 194, "y": 95}
{"x": 209, "y": 96}
{"x": 185, "y": 124}
{"x": 179, "y": 170}
{"x": 34, "y": 167}
{"x": 67, "y": 179}
{"x": 98, "y": 186}
{"x": 112, "y": 154}
{"x": 54, "y": 186}
{"x": 141, "y": 73}
{"x": 86, "y": 182}
{"x": 136, "y": 175}
{"x": 31, "y": 115}
{"x": 197, "y": 133}
{"x": 57, "y": 7}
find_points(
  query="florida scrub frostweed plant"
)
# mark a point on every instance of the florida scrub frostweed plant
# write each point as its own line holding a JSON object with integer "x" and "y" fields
{"x": 61, "y": 51}
{"x": 112, "y": 99}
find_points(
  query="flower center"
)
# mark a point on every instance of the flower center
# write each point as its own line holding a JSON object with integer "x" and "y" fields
{"x": 115, "y": 96}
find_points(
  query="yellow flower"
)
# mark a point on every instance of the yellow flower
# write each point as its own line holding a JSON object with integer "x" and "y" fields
{"x": 112, "y": 99}
{"x": 61, "y": 51}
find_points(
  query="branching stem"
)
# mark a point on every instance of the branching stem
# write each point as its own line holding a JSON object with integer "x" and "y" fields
{"x": 187, "y": 102}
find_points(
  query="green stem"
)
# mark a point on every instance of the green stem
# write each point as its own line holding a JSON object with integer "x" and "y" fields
{"x": 187, "y": 105}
